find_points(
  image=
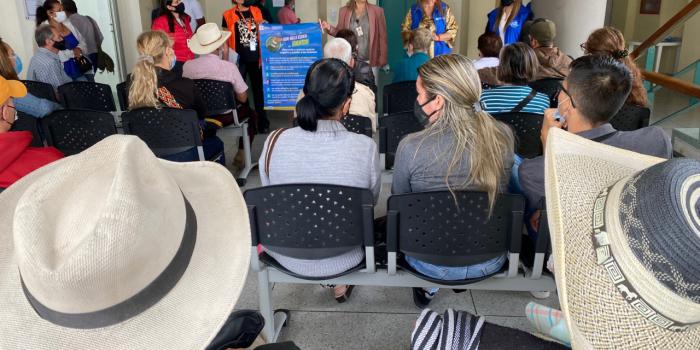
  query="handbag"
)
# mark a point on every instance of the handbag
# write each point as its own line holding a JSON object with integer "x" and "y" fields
{"x": 239, "y": 332}
{"x": 77, "y": 67}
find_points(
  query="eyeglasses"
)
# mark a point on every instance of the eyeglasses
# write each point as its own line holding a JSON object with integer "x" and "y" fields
{"x": 563, "y": 89}
{"x": 583, "y": 47}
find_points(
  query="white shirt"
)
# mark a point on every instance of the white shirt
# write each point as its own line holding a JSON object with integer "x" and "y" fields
{"x": 486, "y": 62}
{"x": 502, "y": 26}
{"x": 193, "y": 9}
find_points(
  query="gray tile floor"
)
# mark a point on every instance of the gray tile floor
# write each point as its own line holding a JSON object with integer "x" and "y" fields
{"x": 375, "y": 317}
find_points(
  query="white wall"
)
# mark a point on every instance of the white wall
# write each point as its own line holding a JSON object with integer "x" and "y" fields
{"x": 575, "y": 20}
{"x": 17, "y": 31}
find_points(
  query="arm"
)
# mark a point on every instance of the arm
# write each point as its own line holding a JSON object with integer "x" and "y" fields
{"x": 401, "y": 182}
{"x": 383, "y": 51}
{"x": 452, "y": 27}
{"x": 264, "y": 179}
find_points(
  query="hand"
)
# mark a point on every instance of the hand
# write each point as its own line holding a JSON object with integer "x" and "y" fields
{"x": 549, "y": 122}
{"x": 535, "y": 220}
{"x": 436, "y": 37}
{"x": 77, "y": 52}
{"x": 325, "y": 25}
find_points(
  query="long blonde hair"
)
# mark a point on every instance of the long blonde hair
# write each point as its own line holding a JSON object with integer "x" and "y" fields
{"x": 488, "y": 142}
{"x": 513, "y": 14}
{"x": 143, "y": 88}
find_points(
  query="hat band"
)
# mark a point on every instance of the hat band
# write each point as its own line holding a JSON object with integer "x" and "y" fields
{"x": 606, "y": 259}
{"x": 138, "y": 303}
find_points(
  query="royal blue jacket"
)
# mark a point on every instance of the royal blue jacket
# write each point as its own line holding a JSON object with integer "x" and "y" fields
{"x": 441, "y": 47}
{"x": 515, "y": 27}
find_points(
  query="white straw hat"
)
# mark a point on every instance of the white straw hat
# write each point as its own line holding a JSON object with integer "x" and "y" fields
{"x": 626, "y": 244}
{"x": 115, "y": 249}
{"x": 207, "y": 39}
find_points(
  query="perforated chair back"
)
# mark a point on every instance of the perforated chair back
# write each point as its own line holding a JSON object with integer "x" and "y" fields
{"x": 549, "y": 87}
{"x": 392, "y": 129}
{"x": 123, "y": 95}
{"x": 399, "y": 97}
{"x": 453, "y": 230}
{"x": 308, "y": 221}
{"x": 41, "y": 90}
{"x": 26, "y": 122}
{"x": 526, "y": 128}
{"x": 358, "y": 124}
{"x": 87, "y": 95}
{"x": 631, "y": 117}
{"x": 219, "y": 96}
{"x": 166, "y": 131}
{"x": 73, "y": 131}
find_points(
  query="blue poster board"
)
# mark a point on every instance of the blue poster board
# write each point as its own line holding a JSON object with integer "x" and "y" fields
{"x": 287, "y": 53}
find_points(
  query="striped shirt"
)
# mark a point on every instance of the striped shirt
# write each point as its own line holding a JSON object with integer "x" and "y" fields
{"x": 46, "y": 67}
{"x": 504, "y": 99}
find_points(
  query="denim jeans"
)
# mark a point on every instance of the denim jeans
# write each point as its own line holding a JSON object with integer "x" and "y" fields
{"x": 211, "y": 147}
{"x": 34, "y": 106}
{"x": 515, "y": 176}
{"x": 449, "y": 273}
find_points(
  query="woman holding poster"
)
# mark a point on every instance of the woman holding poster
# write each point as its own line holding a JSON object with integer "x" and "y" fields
{"x": 435, "y": 16}
{"x": 369, "y": 24}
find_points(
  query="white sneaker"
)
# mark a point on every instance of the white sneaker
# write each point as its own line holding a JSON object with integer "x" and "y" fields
{"x": 540, "y": 295}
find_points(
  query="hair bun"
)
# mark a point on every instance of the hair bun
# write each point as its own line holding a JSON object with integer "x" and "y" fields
{"x": 621, "y": 54}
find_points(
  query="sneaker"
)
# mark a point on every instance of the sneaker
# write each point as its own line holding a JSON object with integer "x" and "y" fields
{"x": 422, "y": 298}
{"x": 540, "y": 295}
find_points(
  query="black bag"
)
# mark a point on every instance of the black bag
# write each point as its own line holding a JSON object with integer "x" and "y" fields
{"x": 104, "y": 62}
{"x": 84, "y": 64}
{"x": 239, "y": 332}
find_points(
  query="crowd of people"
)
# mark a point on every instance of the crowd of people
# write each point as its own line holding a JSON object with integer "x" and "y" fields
{"x": 462, "y": 147}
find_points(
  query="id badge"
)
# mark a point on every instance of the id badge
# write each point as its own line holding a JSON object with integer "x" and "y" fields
{"x": 253, "y": 45}
{"x": 359, "y": 31}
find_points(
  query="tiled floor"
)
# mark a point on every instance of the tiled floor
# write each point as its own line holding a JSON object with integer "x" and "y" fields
{"x": 375, "y": 317}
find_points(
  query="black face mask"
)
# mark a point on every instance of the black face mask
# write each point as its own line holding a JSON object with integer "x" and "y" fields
{"x": 423, "y": 118}
{"x": 59, "y": 45}
{"x": 180, "y": 8}
{"x": 507, "y": 2}
{"x": 248, "y": 3}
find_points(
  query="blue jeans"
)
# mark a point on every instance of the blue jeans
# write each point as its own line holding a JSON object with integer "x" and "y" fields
{"x": 211, "y": 147}
{"x": 34, "y": 106}
{"x": 515, "y": 176}
{"x": 449, "y": 273}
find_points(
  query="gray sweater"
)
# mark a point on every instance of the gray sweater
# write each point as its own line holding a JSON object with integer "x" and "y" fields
{"x": 330, "y": 155}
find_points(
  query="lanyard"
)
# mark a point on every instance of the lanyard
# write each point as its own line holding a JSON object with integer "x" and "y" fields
{"x": 247, "y": 23}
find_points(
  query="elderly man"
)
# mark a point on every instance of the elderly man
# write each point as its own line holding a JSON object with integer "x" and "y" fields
{"x": 363, "y": 101}
{"x": 46, "y": 66}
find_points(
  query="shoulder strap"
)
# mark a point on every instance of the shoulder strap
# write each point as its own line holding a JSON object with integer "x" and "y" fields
{"x": 274, "y": 136}
{"x": 524, "y": 102}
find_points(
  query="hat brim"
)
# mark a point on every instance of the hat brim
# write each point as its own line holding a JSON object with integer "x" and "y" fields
{"x": 189, "y": 316}
{"x": 576, "y": 171}
{"x": 200, "y": 49}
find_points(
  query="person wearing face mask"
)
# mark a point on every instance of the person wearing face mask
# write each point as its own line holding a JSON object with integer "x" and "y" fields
{"x": 73, "y": 46}
{"x": 462, "y": 148}
{"x": 243, "y": 21}
{"x": 10, "y": 68}
{"x": 286, "y": 15}
{"x": 435, "y": 16}
{"x": 17, "y": 158}
{"x": 46, "y": 66}
{"x": 176, "y": 23}
{"x": 154, "y": 84}
{"x": 507, "y": 20}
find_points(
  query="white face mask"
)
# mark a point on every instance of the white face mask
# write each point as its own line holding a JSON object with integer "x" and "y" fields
{"x": 61, "y": 17}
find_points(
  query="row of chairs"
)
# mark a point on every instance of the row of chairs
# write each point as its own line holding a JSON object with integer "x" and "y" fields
{"x": 310, "y": 221}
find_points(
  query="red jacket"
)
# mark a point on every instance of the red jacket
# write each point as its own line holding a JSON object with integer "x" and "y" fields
{"x": 17, "y": 159}
{"x": 179, "y": 37}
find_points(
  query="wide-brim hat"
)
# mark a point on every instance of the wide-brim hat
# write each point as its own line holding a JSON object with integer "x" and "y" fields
{"x": 207, "y": 39}
{"x": 625, "y": 251}
{"x": 115, "y": 249}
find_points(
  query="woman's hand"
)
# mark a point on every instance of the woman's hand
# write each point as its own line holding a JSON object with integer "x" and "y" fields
{"x": 77, "y": 52}
{"x": 436, "y": 37}
{"x": 325, "y": 25}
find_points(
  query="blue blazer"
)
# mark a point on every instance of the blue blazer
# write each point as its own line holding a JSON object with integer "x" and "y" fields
{"x": 512, "y": 34}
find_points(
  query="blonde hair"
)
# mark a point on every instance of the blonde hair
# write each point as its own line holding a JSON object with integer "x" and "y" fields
{"x": 421, "y": 38}
{"x": 143, "y": 88}
{"x": 488, "y": 142}
{"x": 513, "y": 14}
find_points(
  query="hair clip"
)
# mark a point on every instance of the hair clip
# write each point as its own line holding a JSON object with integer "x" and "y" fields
{"x": 478, "y": 106}
{"x": 147, "y": 58}
{"x": 621, "y": 54}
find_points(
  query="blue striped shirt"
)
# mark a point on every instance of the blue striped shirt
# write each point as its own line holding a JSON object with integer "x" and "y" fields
{"x": 503, "y": 99}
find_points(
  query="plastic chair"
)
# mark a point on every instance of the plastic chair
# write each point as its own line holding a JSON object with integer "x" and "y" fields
{"x": 166, "y": 131}
{"x": 87, "y": 95}
{"x": 41, "y": 90}
{"x": 527, "y": 128}
{"x": 72, "y": 131}
{"x": 358, "y": 124}
{"x": 549, "y": 87}
{"x": 631, "y": 118}
{"x": 219, "y": 98}
{"x": 399, "y": 97}
{"x": 392, "y": 129}
{"x": 26, "y": 122}
{"x": 123, "y": 95}
{"x": 306, "y": 221}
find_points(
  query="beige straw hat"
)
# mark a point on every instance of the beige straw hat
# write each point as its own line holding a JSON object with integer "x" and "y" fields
{"x": 115, "y": 249}
{"x": 207, "y": 39}
{"x": 626, "y": 244}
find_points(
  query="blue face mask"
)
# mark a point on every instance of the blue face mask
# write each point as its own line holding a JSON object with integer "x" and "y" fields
{"x": 18, "y": 64}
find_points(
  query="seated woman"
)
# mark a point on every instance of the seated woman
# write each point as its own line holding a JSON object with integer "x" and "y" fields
{"x": 17, "y": 158}
{"x": 153, "y": 84}
{"x": 321, "y": 150}
{"x": 518, "y": 67}
{"x": 10, "y": 67}
{"x": 462, "y": 148}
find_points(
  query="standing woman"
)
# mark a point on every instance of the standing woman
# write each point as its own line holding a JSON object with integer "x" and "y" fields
{"x": 73, "y": 45}
{"x": 369, "y": 24}
{"x": 176, "y": 23}
{"x": 436, "y": 16}
{"x": 507, "y": 20}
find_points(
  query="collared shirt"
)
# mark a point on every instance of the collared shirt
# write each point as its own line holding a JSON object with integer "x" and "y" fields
{"x": 46, "y": 66}
{"x": 287, "y": 16}
{"x": 212, "y": 67}
{"x": 651, "y": 141}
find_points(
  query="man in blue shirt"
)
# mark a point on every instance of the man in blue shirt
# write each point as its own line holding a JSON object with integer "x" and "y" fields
{"x": 418, "y": 46}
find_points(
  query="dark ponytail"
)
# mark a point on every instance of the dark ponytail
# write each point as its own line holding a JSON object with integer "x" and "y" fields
{"x": 42, "y": 12}
{"x": 329, "y": 83}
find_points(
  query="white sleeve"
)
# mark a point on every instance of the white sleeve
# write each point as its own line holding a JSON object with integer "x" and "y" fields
{"x": 81, "y": 41}
{"x": 197, "y": 11}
